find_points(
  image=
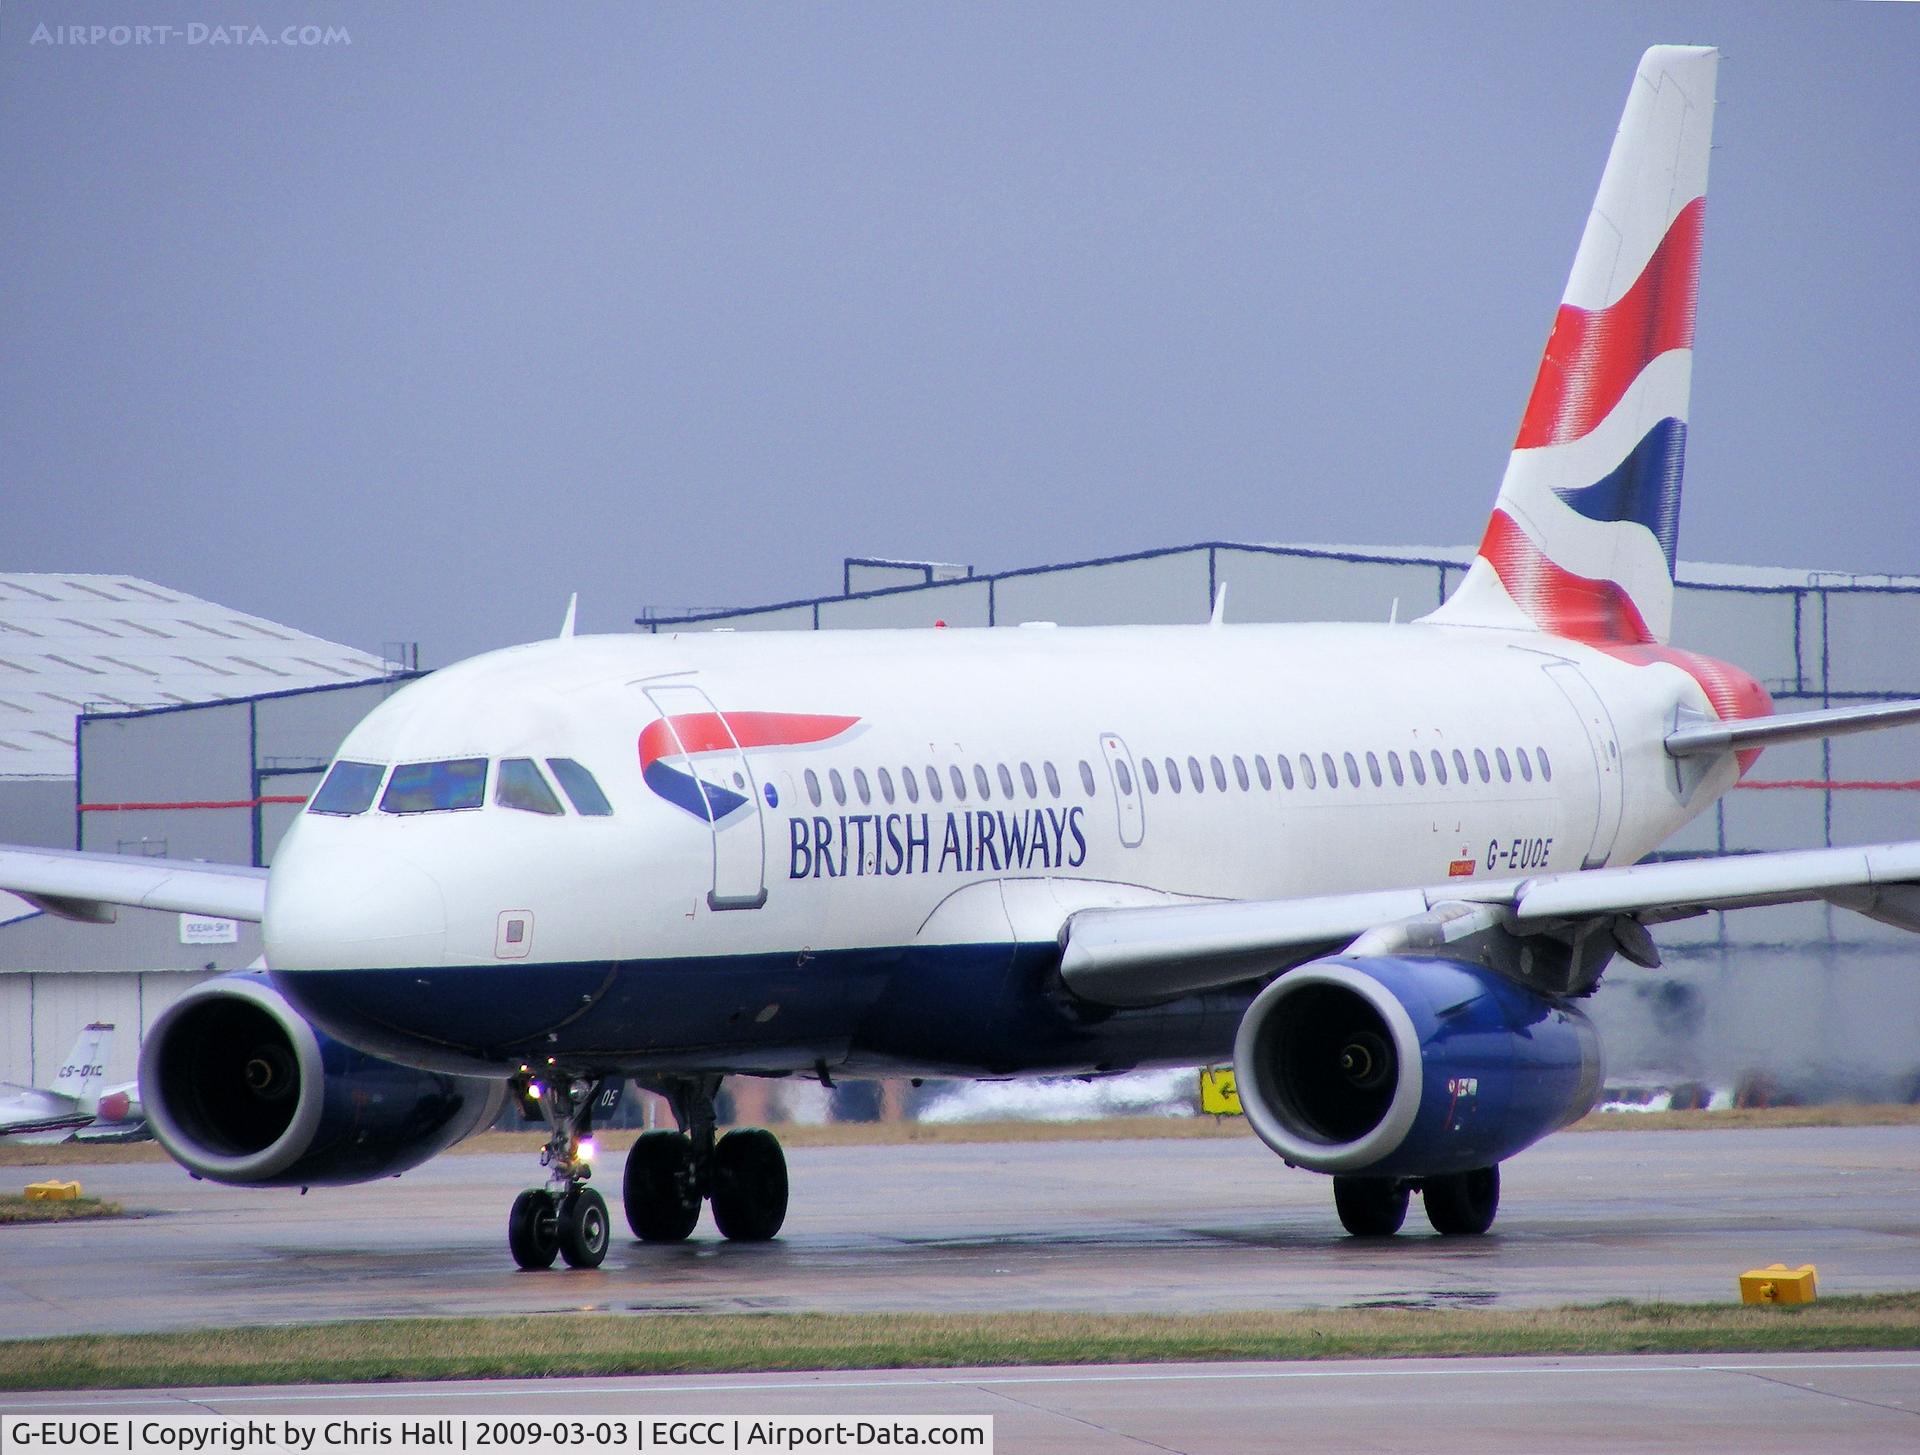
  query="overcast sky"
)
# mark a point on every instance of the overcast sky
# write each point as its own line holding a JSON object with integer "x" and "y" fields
{"x": 411, "y": 334}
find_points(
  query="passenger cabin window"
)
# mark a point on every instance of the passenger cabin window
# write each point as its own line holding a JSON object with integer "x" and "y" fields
{"x": 1393, "y": 767}
{"x": 581, "y": 788}
{"x": 1546, "y": 768}
{"x": 911, "y": 783}
{"x": 1006, "y": 781}
{"x": 1306, "y": 770}
{"x": 839, "y": 786}
{"x": 959, "y": 781}
{"x": 1053, "y": 779}
{"x": 1415, "y": 762}
{"x": 1526, "y": 766}
{"x": 1480, "y": 762}
{"x": 1353, "y": 770}
{"x": 1439, "y": 768}
{"x": 1193, "y": 775}
{"x": 1500, "y": 762}
{"x": 1122, "y": 776}
{"x": 1286, "y": 770}
{"x": 436, "y": 787}
{"x": 349, "y": 789}
{"x": 886, "y": 784}
{"x": 1173, "y": 775}
{"x": 933, "y": 783}
{"x": 520, "y": 786}
{"x": 1333, "y": 773}
{"x": 1219, "y": 773}
{"x": 1027, "y": 780}
{"x": 1460, "y": 765}
{"x": 1266, "y": 776}
{"x": 813, "y": 786}
{"x": 1149, "y": 775}
{"x": 981, "y": 783}
{"x": 1086, "y": 776}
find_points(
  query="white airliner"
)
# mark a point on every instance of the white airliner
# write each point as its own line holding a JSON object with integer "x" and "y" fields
{"x": 1377, "y": 866}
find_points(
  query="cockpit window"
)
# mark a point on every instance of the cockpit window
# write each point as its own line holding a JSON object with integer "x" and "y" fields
{"x": 435, "y": 787}
{"x": 521, "y": 786}
{"x": 580, "y": 787}
{"x": 349, "y": 788}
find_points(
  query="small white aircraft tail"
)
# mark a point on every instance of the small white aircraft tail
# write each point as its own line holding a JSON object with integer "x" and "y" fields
{"x": 1581, "y": 541}
{"x": 84, "y": 1072}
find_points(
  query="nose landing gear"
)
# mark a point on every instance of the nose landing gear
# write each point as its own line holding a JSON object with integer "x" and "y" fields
{"x": 669, "y": 1174}
{"x": 566, "y": 1218}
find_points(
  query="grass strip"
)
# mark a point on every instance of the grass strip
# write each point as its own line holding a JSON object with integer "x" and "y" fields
{"x": 16, "y": 1208}
{"x": 600, "y": 1344}
{"x": 1106, "y": 1129}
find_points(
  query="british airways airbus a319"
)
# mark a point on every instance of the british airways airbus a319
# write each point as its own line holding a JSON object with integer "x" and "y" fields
{"x": 1377, "y": 867}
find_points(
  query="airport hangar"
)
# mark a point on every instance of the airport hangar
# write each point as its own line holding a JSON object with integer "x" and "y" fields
{"x": 138, "y": 719}
{"x": 1800, "y": 1002}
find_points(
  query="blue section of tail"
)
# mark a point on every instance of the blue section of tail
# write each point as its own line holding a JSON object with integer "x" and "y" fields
{"x": 1644, "y": 487}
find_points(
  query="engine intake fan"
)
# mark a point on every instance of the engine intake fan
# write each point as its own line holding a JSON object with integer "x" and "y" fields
{"x": 1392, "y": 1066}
{"x": 240, "y": 1088}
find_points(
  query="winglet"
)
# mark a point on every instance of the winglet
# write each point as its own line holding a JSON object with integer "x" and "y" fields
{"x": 573, "y": 607}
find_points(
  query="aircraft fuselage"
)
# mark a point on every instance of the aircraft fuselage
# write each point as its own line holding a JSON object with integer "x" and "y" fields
{"x": 854, "y": 851}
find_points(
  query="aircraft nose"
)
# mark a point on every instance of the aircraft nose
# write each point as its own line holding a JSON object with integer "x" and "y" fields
{"x": 352, "y": 911}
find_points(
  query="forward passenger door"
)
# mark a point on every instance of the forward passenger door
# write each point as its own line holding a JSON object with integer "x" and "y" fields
{"x": 724, "y": 778}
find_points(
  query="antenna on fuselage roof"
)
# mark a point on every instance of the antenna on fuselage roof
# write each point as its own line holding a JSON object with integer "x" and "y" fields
{"x": 1219, "y": 617}
{"x": 573, "y": 607}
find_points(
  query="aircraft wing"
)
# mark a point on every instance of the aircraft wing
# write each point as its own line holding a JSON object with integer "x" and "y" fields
{"x": 1140, "y": 956}
{"x": 89, "y": 886}
{"x": 26, "y": 1111}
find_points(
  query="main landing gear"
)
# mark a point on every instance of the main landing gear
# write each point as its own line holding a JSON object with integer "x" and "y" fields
{"x": 566, "y": 1218}
{"x": 669, "y": 1174}
{"x": 1459, "y": 1204}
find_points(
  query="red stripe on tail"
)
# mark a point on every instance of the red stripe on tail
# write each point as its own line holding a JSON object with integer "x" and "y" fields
{"x": 1593, "y": 357}
{"x": 1560, "y": 602}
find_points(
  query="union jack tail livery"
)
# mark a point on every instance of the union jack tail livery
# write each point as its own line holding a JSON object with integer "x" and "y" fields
{"x": 1581, "y": 541}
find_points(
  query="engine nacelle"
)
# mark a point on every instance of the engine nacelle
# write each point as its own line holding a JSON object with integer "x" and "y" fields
{"x": 1400, "y": 1067}
{"x": 240, "y": 1088}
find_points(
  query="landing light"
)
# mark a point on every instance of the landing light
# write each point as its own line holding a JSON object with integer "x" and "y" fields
{"x": 588, "y": 1151}
{"x": 536, "y": 1090}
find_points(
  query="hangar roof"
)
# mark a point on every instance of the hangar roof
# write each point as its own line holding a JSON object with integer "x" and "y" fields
{"x": 72, "y": 643}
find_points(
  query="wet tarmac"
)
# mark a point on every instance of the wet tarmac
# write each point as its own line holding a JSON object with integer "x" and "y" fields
{"x": 1160, "y": 1226}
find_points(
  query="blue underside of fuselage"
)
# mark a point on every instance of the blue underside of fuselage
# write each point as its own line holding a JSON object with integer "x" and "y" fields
{"x": 965, "y": 1010}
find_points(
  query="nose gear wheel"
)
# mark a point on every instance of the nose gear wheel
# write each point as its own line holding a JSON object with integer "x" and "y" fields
{"x": 566, "y": 1218}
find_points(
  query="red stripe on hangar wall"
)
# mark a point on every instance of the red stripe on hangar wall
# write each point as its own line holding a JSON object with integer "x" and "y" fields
{"x": 197, "y": 803}
{"x": 1840, "y": 785}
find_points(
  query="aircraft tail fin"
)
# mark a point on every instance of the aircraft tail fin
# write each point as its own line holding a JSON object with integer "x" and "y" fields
{"x": 1582, "y": 538}
{"x": 85, "y": 1070}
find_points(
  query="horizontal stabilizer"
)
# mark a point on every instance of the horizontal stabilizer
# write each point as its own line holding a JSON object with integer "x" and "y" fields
{"x": 1789, "y": 727}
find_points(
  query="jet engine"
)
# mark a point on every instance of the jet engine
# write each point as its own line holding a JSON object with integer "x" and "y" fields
{"x": 239, "y": 1088}
{"x": 1390, "y": 1066}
